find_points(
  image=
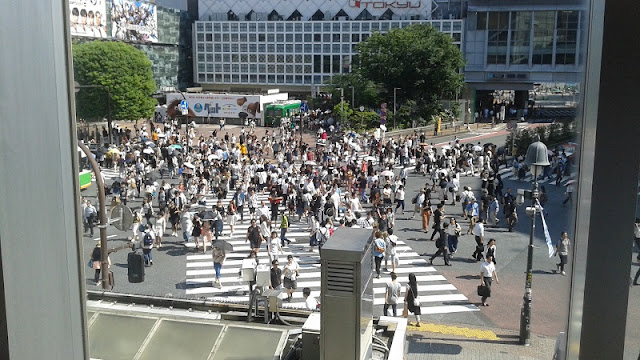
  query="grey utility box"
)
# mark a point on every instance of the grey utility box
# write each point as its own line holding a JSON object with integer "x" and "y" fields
{"x": 346, "y": 315}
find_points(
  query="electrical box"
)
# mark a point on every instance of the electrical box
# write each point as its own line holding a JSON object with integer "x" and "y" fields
{"x": 347, "y": 295}
{"x": 263, "y": 277}
{"x": 248, "y": 269}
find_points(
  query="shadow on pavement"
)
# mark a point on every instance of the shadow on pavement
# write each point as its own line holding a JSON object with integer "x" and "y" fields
{"x": 468, "y": 277}
{"x": 417, "y": 343}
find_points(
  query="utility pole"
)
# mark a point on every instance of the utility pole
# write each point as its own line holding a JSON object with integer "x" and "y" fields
{"x": 104, "y": 252}
{"x": 342, "y": 104}
{"x": 394, "y": 107}
{"x": 353, "y": 97}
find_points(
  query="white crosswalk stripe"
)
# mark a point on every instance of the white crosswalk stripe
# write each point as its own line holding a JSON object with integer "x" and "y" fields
{"x": 437, "y": 295}
{"x": 506, "y": 172}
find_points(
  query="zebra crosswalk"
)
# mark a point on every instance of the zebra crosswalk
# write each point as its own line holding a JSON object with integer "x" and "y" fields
{"x": 507, "y": 173}
{"x": 437, "y": 295}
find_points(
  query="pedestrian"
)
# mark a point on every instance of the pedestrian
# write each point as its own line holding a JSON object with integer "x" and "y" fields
{"x": 275, "y": 276}
{"x": 379, "y": 248}
{"x": 90, "y": 214}
{"x": 290, "y": 273}
{"x": 437, "y": 220}
{"x": 399, "y": 198}
{"x": 454, "y": 232}
{"x": 478, "y": 233}
{"x": 390, "y": 252}
{"x": 441, "y": 244}
{"x": 494, "y": 207}
{"x": 487, "y": 273}
{"x": 391, "y": 296}
{"x": 284, "y": 227}
{"x": 411, "y": 299}
{"x": 568, "y": 192}
{"x": 310, "y": 302}
{"x": 418, "y": 201}
{"x": 147, "y": 244}
{"x": 254, "y": 237}
{"x": 511, "y": 214}
{"x": 218, "y": 254}
{"x": 197, "y": 230}
{"x": 147, "y": 210}
{"x": 231, "y": 215}
{"x": 562, "y": 250}
{"x": 491, "y": 250}
{"x": 273, "y": 246}
{"x": 160, "y": 227}
{"x": 426, "y": 214}
{"x": 96, "y": 262}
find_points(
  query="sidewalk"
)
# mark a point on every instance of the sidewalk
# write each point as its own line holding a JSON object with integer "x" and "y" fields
{"x": 434, "y": 341}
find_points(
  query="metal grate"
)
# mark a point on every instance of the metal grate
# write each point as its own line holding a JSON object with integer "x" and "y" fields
{"x": 340, "y": 277}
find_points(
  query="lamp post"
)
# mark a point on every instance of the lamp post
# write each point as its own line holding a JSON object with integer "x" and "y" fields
{"x": 394, "y": 106}
{"x": 109, "y": 120}
{"x": 537, "y": 159}
{"x": 353, "y": 97}
{"x": 341, "y": 104}
{"x": 104, "y": 252}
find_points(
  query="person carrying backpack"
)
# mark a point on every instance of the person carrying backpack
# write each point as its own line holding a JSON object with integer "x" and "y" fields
{"x": 147, "y": 244}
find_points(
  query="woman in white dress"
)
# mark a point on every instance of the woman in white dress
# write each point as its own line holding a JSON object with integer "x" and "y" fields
{"x": 160, "y": 227}
{"x": 231, "y": 215}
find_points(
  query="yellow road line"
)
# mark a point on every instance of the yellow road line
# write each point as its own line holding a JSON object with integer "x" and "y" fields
{"x": 454, "y": 330}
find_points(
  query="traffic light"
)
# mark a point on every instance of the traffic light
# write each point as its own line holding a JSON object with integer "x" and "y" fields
{"x": 324, "y": 95}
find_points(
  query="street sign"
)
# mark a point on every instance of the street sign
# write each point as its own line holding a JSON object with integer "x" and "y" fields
{"x": 512, "y": 125}
{"x": 304, "y": 107}
{"x": 361, "y": 108}
{"x": 184, "y": 112}
{"x": 123, "y": 217}
{"x": 184, "y": 105}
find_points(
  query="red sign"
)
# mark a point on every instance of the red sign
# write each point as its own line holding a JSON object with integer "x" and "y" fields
{"x": 385, "y": 4}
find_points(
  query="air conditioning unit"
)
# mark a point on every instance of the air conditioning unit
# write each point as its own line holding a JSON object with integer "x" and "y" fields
{"x": 347, "y": 295}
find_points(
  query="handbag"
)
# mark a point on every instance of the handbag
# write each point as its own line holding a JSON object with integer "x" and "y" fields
{"x": 416, "y": 299}
{"x": 90, "y": 264}
{"x": 483, "y": 290}
{"x": 405, "y": 311}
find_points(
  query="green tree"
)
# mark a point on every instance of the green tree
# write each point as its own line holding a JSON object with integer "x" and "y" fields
{"x": 421, "y": 61}
{"x": 121, "y": 68}
{"x": 341, "y": 112}
{"x": 366, "y": 92}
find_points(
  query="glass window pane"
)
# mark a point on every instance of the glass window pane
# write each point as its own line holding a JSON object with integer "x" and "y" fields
{"x": 175, "y": 340}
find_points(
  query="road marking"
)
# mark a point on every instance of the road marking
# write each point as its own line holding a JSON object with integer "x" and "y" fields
{"x": 454, "y": 330}
{"x": 108, "y": 237}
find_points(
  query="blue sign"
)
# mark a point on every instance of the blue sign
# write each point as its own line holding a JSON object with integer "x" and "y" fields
{"x": 304, "y": 107}
{"x": 184, "y": 105}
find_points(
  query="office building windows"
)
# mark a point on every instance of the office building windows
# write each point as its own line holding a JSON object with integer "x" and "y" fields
{"x": 566, "y": 37}
{"x": 543, "y": 25}
{"x": 498, "y": 35}
{"x": 520, "y": 37}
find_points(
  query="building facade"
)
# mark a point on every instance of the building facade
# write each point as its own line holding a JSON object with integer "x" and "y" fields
{"x": 295, "y": 45}
{"x": 511, "y": 45}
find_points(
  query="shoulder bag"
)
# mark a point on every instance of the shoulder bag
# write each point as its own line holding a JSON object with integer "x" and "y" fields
{"x": 416, "y": 298}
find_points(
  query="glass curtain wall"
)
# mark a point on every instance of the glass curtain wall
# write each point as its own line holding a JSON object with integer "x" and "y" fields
{"x": 566, "y": 37}
{"x": 520, "y": 37}
{"x": 543, "y": 26}
{"x": 498, "y": 27}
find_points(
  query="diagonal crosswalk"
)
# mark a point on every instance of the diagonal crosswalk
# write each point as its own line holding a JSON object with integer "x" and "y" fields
{"x": 437, "y": 295}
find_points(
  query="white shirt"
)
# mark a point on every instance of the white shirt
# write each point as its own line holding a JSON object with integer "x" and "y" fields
{"x": 487, "y": 269}
{"x": 478, "y": 230}
{"x": 400, "y": 195}
{"x": 311, "y": 303}
{"x": 636, "y": 230}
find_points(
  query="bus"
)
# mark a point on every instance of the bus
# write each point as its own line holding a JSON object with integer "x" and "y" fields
{"x": 282, "y": 109}
{"x": 84, "y": 177}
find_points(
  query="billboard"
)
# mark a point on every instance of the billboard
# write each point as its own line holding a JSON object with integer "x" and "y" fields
{"x": 134, "y": 21}
{"x": 219, "y": 105}
{"x": 259, "y": 9}
{"x": 88, "y": 18}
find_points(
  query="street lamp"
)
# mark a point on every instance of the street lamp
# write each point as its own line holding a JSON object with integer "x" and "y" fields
{"x": 342, "y": 104}
{"x": 353, "y": 97}
{"x": 394, "y": 106}
{"x": 537, "y": 159}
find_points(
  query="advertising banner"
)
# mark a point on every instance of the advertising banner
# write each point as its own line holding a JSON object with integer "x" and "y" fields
{"x": 220, "y": 105}
{"x": 88, "y": 18}
{"x": 134, "y": 21}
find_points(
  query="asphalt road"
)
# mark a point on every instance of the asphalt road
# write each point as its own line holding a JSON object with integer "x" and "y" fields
{"x": 550, "y": 290}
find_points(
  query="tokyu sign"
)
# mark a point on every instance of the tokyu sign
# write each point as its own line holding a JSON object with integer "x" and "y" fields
{"x": 385, "y": 4}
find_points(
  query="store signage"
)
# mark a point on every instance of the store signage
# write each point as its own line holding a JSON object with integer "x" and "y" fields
{"x": 385, "y": 4}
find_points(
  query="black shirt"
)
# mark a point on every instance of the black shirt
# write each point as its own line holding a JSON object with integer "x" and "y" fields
{"x": 276, "y": 276}
{"x": 437, "y": 216}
